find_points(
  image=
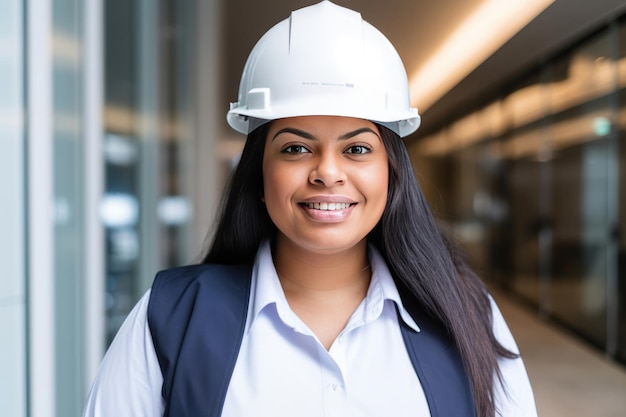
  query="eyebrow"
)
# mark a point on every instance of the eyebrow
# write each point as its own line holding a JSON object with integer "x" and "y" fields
{"x": 309, "y": 136}
{"x": 358, "y": 132}
{"x": 296, "y": 132}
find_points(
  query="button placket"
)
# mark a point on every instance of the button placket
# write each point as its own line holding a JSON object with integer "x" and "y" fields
{"x": 335, "y": 399}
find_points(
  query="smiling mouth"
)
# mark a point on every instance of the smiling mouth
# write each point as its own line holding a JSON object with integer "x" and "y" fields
{"x": 327, "y": 206}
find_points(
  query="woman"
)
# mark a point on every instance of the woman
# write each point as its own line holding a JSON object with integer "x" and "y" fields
{"x": 328, "y": 289}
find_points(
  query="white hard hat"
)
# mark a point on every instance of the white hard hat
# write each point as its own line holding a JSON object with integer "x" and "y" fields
{"x": 324, "y": 60}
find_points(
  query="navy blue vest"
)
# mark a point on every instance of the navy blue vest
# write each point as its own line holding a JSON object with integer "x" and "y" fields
{"x": 197, "y": 316}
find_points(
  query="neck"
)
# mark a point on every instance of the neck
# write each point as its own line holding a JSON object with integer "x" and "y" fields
{"x": 323, "y": 289}
{"x": 306, "y": 270}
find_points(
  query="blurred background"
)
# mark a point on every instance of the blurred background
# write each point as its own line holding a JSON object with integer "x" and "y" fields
{"x": 114, "y": 150}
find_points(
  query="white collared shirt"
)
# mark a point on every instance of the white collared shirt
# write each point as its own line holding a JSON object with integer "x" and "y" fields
{"x": 283, "y": 370}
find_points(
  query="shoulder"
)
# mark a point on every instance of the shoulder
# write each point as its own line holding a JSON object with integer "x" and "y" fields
{"x": 500, "y": 328}
{"x": 205, "y": 290}
{"x": 177, "y": 289}
{"x": 184, "y": 276}
{"x": 513, "y": 394}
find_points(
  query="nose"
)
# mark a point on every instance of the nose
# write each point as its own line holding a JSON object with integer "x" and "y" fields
{"x": 327, "y": 170}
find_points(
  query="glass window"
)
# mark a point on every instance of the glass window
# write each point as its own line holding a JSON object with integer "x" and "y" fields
{"x": 481, "y": 210}
{"x": 621, "y": 228}
{"x": 148, "y": 105}
{"x": 580, "y": 138}
{"x": 527, "y": 153}
{"x": 68, "y": 151}
{"x": 528, "y": 219}
{"x": 556, "y": 182}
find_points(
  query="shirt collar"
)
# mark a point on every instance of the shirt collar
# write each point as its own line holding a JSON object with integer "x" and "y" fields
{"x": 383, "y": 280}
{"x": 267, "y": 290}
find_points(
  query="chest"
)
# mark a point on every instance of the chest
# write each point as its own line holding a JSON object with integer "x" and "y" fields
{"x": 284, "y": 370}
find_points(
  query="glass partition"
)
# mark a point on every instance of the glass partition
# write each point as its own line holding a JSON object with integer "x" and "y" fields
{"x": 621, "y": 225}
{"x": 480, "y": 212}
{"x": 529, "y": 232}
{"x": 526, "y": 148}
{"x": 580, "y": 136}
{"x": 68, "y": 177}
{"x": 554, "y": 171}
{"x": 149, "y": 76}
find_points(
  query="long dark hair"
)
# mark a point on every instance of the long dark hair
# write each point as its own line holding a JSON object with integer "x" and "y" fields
{"x": 422, "y": 259}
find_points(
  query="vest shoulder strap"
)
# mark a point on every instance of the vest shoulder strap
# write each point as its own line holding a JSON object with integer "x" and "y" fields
{"x": 438, "y": 364}
{"x": 194, "y": 312}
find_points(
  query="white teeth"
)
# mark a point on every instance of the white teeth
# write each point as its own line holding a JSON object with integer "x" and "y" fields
{"x": 328, "y": 206}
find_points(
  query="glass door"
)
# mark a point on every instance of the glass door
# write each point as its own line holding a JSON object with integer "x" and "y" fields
{"x": 581, "y": 136}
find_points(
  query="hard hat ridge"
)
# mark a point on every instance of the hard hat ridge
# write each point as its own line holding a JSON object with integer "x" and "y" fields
{"x": 324, "y": 60}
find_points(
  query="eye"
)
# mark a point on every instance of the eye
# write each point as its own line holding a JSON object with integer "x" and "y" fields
{"x": 293, "y": 149}
{"x": 358, "y": 150}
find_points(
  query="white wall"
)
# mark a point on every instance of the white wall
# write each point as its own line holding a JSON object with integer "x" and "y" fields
{"x": 12, "y": 258}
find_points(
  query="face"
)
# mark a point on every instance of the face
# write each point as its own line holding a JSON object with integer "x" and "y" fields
{"x": 325, "y": 181}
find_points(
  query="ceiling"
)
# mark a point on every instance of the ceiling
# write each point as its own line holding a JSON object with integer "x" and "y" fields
{"x": 417, "y": 28}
